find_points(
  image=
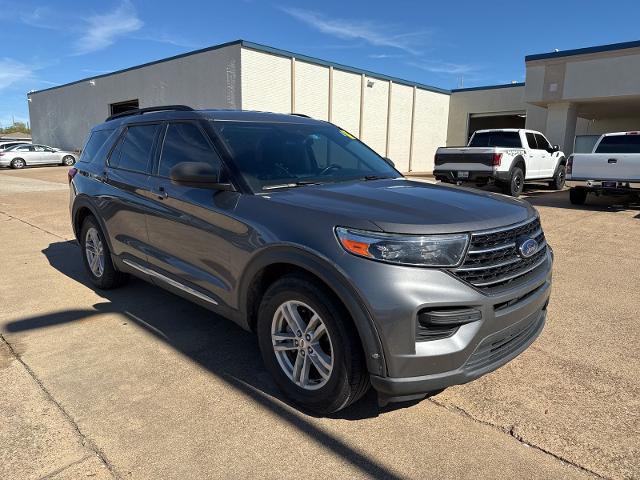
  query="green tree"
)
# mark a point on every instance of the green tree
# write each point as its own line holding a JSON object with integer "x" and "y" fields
{"x": 16, "y": 127}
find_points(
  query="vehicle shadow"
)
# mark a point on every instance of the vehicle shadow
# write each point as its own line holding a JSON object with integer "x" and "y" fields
{"x": 560, "y": 199}
{"x": 215, "y": 343}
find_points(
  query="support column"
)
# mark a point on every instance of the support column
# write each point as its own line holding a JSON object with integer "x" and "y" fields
{"x": 561, "y": 125}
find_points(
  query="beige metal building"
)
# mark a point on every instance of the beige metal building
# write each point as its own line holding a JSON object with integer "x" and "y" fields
{"x": 402, "y": 120}
{"x": 571, "y": 96}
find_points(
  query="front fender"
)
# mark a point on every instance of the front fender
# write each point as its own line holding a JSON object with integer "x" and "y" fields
{"x": 330, "y": 274}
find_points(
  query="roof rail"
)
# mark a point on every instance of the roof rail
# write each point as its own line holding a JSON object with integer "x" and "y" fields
{"x": 140, "y": 111}
{"x": 301, "y": 115}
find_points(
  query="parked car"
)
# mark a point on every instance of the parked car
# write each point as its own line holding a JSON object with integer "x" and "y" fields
{"x": 350, "y": 274}
{"x": 20, "y": 156}
{"x": 507, "y": 157}
{"x": 613, "y": 167}
{"x": 6, "y": 145}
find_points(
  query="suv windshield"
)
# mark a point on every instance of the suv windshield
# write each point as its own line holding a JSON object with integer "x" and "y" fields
{"x": 281, "y": 155}
{"x": 496, "y": 139}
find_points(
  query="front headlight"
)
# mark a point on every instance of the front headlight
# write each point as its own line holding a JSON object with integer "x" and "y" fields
{"x": 418, "y": 250}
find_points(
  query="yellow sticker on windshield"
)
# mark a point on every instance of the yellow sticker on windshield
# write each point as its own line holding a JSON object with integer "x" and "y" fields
{"x": 347, "y": 134}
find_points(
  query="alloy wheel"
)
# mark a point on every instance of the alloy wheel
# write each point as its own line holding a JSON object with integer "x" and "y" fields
{"x": 94, "y": 250}
{"x": 302, "y": 345}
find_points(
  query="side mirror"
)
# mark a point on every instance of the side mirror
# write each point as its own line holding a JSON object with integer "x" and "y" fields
{"x": 555, "y": 148}
{"x": 390, "y": 162}
{"x": 198, "y": 175}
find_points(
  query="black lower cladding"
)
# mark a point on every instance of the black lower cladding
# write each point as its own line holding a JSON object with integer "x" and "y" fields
{"x": 498, "y": 346}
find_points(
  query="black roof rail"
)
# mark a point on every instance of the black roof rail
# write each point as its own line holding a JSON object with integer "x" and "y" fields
{"x": 140, "y": 111}
{"x": 301, "y": 115}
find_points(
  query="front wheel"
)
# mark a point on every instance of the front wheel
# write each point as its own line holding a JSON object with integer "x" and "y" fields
{"x": 515, "y": 185}
{"x": 559, "y": 178}
{"x": 18, "y": 163}
{"x": 310, "y": 346}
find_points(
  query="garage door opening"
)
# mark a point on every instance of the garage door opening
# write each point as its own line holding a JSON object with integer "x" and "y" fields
{"x": 486, "y": 121}
{"x": 124, "y": 106}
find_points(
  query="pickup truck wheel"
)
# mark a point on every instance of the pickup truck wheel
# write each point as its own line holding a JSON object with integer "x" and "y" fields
{"x": 516, "y": 183}
{"x": 559, "y": 178}
{"x": 577, "y": 196}
{"x": 310, "y": 346}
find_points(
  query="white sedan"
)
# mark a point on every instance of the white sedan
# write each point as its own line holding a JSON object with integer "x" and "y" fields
{"x": 23, "y": 155}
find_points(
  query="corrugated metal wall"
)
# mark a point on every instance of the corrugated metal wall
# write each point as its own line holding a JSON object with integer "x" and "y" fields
{"x": 405, "y": 123}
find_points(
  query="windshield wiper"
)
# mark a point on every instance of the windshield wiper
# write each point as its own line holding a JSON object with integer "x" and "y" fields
{"x": 301, "y": 183}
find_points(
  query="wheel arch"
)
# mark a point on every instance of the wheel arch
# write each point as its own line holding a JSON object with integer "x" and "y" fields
{"x": 82, "y": 208}
{"x": 275, "y": 262}
{"x": 519, "y": 162}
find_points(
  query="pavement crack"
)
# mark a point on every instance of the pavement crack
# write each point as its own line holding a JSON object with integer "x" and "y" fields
{"x": 32, "y": 225}
{"x": 84, "y": 440}
{"x": 62, "y": 469}
{"x": 511, "y": 431}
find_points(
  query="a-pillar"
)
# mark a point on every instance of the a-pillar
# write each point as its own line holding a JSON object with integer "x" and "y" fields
{"x": 561, "y": 125}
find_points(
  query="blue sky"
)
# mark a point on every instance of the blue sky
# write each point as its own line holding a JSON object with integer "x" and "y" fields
{"x": 437, "y": 43}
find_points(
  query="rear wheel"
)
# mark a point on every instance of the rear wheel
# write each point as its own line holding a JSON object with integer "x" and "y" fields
{"x": 97, "y": 257}
{"x": 559, "y": 178}
{"x": 577, "y": 196}
{"x": 18, "y": 163}
{"x": 310, "y": 346}
{"x": 515, "y": 185}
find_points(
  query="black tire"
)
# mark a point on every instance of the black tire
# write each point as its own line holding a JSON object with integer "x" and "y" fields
{"x": 577, "y": 196}
{"x": 18, "y": 163}
{"x": 515, "y": 185}
{"x": 559, "y": 178}
{"x": 68, "y": 161}
{"x": 349, "y": 379}
{"x": 110, "y": 277}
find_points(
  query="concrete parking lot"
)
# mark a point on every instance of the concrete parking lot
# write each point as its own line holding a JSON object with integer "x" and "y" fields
{"x": 138, "y": 383}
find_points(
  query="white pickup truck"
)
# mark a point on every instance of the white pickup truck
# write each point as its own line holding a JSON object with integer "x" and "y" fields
{"x": 612, "y": 168}
{"x": 506, "y": 157}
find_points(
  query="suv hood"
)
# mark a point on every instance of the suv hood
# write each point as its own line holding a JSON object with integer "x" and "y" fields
{"x": 405, "y": 206}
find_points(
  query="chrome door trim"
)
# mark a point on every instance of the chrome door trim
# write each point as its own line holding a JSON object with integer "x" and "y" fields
{"x": 170, "y": 281}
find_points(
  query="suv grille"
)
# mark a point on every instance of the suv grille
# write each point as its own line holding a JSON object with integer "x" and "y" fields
{"x": 492, "y": 261}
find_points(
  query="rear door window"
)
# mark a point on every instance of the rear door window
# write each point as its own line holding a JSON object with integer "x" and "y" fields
{"x": 94, "y": 143}
{"x": 619, "y": 144}
{"x": 185, "y": 142}
{"x": 496, "y": 139}
{"x": 135, "y": 150}
{"x": 531, "y": 140}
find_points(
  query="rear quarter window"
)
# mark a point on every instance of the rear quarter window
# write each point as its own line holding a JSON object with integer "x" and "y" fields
{"x": 95, "y": 142}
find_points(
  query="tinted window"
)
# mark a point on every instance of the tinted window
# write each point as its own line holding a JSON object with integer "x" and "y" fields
{"x": 135, "y": 150}
{"x": 496, "y": 139}
{"x": 531, "y": 140}
{"x": 619, "y": 144}
{"x": 96, "y": 140}
{"x": 26, "y": 148}
{"x": 543, "y": 144}
{"x": 283, "y": 154}
{"x": 184, "y": 142}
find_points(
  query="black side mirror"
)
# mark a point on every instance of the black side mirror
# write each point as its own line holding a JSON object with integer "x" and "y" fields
{"x": 198, "y": 175}
{"x": 555, "y": 148}
{"x": 390, "y": 162}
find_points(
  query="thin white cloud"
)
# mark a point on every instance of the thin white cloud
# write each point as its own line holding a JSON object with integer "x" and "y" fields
{"x": 445, "y": 67}
{"x": 102, "y": 30}
{"x": 12, "y": 72}
{"x": 371, "y": 32}
{"x": 379, "y": 56}
{"x": 41, "y": 17}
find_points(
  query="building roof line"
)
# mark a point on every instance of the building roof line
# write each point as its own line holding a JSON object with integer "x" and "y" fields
{"x": 584, "y": 51}
{"x": 262, "y": 48}
{"x": 488, "y": 87}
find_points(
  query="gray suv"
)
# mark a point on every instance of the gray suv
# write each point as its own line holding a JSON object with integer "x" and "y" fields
{"x": 350, "y": 274}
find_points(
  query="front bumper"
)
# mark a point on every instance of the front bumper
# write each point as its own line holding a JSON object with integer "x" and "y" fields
{"x": 511, "y": 320}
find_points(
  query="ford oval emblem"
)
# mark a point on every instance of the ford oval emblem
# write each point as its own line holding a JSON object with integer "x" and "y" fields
{"x": 527, "y": 247}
